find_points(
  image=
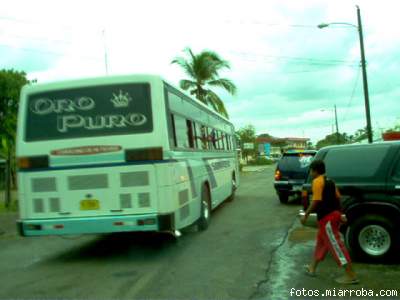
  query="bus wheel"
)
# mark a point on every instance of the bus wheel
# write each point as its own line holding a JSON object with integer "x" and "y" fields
{"x": 232, "y": 195}
{"x": 205, "y": 212}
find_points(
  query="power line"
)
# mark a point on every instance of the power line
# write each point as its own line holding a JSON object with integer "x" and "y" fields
{"x": 30, "y": 22}
{"x": 306, "y": 63}
{"x": 59, "y": 26}
{"x": 305, "y": 71}
{"x": 21, "y": 37}
{"x": 50, "y": 52}
{"x": 270, "y": 24}
{"x": 352, "y": 95}
{"x": 294, "y": 58}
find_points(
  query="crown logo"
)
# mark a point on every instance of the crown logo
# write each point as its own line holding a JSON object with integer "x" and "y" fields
{"x": 121, "y": 100}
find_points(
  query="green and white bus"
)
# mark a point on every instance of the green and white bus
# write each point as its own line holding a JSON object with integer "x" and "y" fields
{"x": 118, "y": 154}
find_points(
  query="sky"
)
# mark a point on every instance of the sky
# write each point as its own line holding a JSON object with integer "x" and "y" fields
{"x": 289, "y": 73}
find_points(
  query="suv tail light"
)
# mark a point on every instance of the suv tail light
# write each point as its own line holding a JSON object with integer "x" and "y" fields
{"x": 278, "y": 175}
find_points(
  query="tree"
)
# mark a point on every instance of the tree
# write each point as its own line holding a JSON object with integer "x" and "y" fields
{"x": 247, "y": 134}
{"x": 395, "y": 128}
{"x": 203, "y": 71}
{"x": 266, "y": 135}
{"x": 360, "y": 134}
{"x": 309, "y": 146}
{"x": 333, "y": 139}
{"x": 11, "y": 82}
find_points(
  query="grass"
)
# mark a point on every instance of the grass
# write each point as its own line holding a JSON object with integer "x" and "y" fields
{"x": 12, "y": 208}
{"x": 260, "y": 161}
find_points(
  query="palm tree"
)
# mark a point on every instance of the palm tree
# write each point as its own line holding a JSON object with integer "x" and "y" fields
{"x": 202, "y": 70}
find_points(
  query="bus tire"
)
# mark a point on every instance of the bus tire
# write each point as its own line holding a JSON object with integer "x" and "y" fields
{"x": 205, "y": 210}
{"x": 232, "y": 195}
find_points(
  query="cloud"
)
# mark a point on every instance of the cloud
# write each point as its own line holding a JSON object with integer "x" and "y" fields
{"x": 285, "y": 68}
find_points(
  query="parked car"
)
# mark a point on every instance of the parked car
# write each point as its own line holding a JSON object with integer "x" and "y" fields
{"x": 264, "y": 156}
{"x": 291, "y": 172}
{"x": 276, "y": 157}
{"x": 368, "y": 177}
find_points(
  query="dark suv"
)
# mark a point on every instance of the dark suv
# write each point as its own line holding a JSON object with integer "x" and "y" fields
{"x": 368, "y": 177}
{"x": 291, "y": 172}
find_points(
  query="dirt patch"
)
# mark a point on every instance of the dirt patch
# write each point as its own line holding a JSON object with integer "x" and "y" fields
{"x": 302, "y": 234}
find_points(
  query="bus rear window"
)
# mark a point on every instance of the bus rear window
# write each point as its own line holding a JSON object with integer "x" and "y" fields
{"x": 89, "y": 112}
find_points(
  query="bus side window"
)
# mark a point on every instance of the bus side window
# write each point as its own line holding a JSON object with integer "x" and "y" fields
{"x": 211, "y": 139}
{"x": 181, "y": 132}
{"x": 173, "y": 130}
{"x": 195, "y": 136}
{"x": 219, "y": 140}
{"x": 198, "y": 135}
{"x": 189, "y": 126}
{"x": 222, "y": 139}
{"x": 203, "y": 137}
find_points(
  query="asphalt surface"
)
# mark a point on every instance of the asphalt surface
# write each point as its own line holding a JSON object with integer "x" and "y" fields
{"x": 253, "y": 249}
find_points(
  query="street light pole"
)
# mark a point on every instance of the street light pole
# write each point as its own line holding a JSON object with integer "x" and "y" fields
{"x": 364, "y": 73}
{"x": 336, "y": 122}
{"x": 105, "y": 51}
{"x": 363, "y": 67}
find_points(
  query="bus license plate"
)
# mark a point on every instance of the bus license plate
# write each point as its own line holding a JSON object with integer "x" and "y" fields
{"x": 91, "y": 204}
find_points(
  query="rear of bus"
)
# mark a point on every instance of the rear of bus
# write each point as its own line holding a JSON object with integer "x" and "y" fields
{"x": 87, "y": 153}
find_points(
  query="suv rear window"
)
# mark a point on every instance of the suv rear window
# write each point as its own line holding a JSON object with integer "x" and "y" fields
{"x": 355, "y": 161}
{"x": 295, "y": 161}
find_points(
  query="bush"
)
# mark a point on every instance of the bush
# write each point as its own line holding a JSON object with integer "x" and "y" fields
{"x": 12, "y": 208}
{"x": 260, "y": 161}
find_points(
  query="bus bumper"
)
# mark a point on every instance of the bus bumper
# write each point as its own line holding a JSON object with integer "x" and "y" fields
{"x": 96, "y": 225}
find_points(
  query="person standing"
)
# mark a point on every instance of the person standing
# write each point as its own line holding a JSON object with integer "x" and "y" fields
{"x": 326, "y": 203}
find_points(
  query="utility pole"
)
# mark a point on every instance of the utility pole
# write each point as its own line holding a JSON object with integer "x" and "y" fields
{"x": 363, "y": 67}
{"x": 337, "y": 126}
{"x": 364, "y": 73}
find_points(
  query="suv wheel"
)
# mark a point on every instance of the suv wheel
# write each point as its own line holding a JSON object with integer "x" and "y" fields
{"x": 283, "y": 198}
{"x": 371, "y": 236}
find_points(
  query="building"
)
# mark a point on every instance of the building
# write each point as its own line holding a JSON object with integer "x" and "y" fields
{"x": 296, "y": 143}
{"x": 275, "y": 145}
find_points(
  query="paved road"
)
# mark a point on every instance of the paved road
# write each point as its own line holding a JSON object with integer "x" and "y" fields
{"x": 253, "y": 249}
{"x": 226, "y": 262}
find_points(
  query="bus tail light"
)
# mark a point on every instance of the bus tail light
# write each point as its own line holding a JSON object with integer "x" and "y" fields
{"x": 144, "y": 154}
{"x": 278, "y": 175}
{"x": 33, "y": 162}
